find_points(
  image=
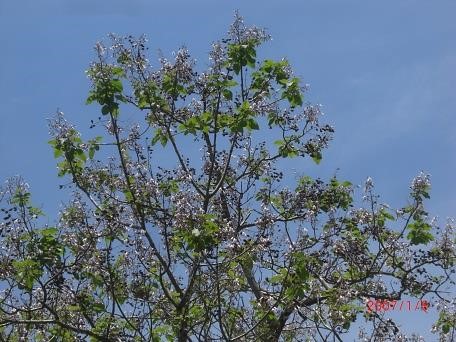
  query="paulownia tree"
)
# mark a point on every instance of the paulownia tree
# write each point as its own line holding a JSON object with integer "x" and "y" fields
{"x": 185, "y": 228}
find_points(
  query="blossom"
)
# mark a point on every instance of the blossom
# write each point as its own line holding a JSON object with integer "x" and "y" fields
{"x": 420, "y": 183}
{"x": 369, "y": 184}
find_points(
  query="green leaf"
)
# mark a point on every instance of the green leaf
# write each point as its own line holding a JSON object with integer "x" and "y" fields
{"x": 98, "y": 307}
{"x": 128, "y": 196}
{"x": 116, "y": 85}
{"x": 27, "y": 271}
{"x": 81, "y": 155}
{"x": 227, "y": 94}
{"x": 57, "y": 152}
{"x": 419, "y": 233}
{"x": 118, "y": 71}
{"x": 105, "y": 110}
{"x": 91, "y": 98}
{"x": 252, "y": 124}
{"x": 163, "y": 140}
{"x": 241, "y": 55}
{"x": 161, "y": 137}
{"x": 317, "y": 158}
{"x": 293, "y": 93}
{"x": 51, "y": 231}
{"x": 73, "y": 308}
{"x": 91, "y": 152}
{"x": 21, "y": 198}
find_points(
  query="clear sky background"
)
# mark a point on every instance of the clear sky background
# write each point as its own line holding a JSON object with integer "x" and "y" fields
{"x": 384, "y": 71}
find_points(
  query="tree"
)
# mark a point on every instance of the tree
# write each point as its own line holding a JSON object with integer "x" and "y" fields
{"x": 220, "y": 245}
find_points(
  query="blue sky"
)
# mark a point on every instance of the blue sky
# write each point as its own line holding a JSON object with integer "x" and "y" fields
{"x": 384, "y": 71}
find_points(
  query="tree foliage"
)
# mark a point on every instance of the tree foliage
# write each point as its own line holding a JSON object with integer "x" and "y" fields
{"x": 183, "y": 225}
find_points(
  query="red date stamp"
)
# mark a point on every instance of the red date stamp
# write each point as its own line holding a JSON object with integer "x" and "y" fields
{"x": 384, "y": 305}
